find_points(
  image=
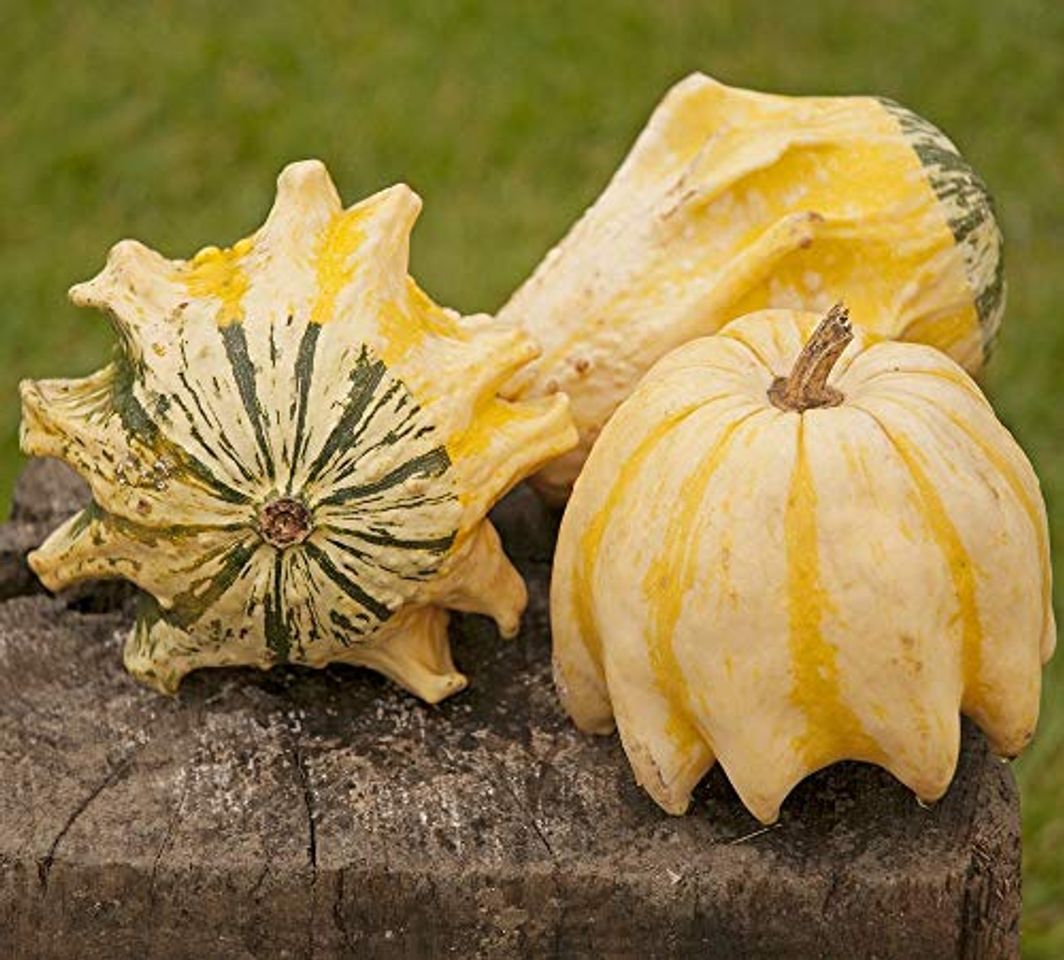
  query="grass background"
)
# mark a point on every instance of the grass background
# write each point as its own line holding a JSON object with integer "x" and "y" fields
{"x": 169, "y": 121}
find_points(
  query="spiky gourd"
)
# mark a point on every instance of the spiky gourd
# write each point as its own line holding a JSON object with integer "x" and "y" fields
{"x": 777, "y": 570}
{"x": 732, "y": 201}
{"x": 294, "y": 449}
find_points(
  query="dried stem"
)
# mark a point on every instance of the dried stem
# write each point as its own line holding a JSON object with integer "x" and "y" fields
{"x": 807, "y": 386}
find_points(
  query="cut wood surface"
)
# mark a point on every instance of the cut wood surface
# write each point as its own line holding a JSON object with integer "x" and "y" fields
{"x": 299, "y": 813}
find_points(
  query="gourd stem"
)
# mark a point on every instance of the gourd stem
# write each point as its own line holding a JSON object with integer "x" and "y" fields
{"x": 284, "y": 522}
{"x": 807, "y": 386}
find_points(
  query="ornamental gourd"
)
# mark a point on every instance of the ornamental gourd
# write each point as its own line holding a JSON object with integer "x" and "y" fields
{"x": 778, "y": 562}
{"x": 294, "y": 449}
{"x": 732, "y": 201}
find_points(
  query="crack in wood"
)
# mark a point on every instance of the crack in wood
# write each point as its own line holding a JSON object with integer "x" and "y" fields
{"x": 338, "y": 910}
{"x": 526, "y": 813}
{"x": 300, "y": 763}
{"x": 259, "y": 881}
{"x": 44, "y": 866}
{"x": 835, "y": 881}
{"x": 171, "y": 826}
{"x": 390, "y": 884}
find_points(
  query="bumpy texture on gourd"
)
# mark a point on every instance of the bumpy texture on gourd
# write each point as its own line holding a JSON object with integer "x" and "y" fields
{"x": 732, "y": 201}
{"x": 779, "y": 590}
{"x": 294, "y": 449}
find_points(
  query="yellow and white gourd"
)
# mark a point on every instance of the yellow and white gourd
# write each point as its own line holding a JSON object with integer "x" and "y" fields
{"x": 294, "y": 450}
{"x": 732, "y": 201}
{"x": 768, "y": 569}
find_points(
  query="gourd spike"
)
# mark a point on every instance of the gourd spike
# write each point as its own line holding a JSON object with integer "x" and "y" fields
{"x": 76, "y": 421}
{"x": 511, "y": 349}
{"x": 414, "y": 652}
{"x": 667, "y": 767}
{"x": 581, "y": 686}
{"x": 580, "y": 682}
{"x": 514, "y": 440}
{"x": 1049, "y": 636}
{"x": 308, "y": 217}
{"x": 762, "y": 785}
{"x": 578, "y": 674}
{"x": 58, "y": 416}
{"x": 304, "y": 190}
{"x": 305, "y": 202}
{"x": 1005, "y": 706}
{"x": 135, "y": 286}
{"x": 928, "y": 769}
{"x": 157, "y": 654}
{"x": 358, "y": 262}
{"x": 480, "y": 579}
{"x": 389, "y": 218}
{"x": 95, "y": 545}
{"x": 71, "y": 553}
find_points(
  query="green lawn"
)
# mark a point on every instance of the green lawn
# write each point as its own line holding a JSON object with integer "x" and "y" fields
{"x": 168, "y": 122}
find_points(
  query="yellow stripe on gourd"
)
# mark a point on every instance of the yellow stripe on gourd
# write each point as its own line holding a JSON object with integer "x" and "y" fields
{"x": 437, "y": 320}
{"x": 945, "y": 331}
{"x": 959, "y": 563}
{"x": 400, "y": 334}
{"x": 833, "y": 730}
{"x": 490, "y": 420}
{"x": 217, "y": 274}
{"x": 405, "y": 324}
{"x": 669, "y": 577}
{"x": 334, "y": 266}
{"x": 583, "y": 571}
{"x": 877, "y": 174}
{"x": 1019, "y": 491}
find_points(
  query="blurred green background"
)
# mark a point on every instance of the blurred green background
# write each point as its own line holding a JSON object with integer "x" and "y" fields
{"x": 169, "y": 121}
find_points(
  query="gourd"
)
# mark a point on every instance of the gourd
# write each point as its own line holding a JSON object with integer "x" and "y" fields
{"x": 294, "y": 449}
{"x": 732, "y": 201}
{"x": 784, "y": 551}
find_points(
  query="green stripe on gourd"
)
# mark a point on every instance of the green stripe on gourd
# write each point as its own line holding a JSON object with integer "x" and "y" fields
{"x": 236, "y": 349}
{"x": 377, "y": 406}
{"x": 969, "y": 210}
{"x": 262, "y": 466}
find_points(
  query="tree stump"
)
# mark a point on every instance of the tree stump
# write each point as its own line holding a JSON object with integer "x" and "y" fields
{"x": 300, "y": 813}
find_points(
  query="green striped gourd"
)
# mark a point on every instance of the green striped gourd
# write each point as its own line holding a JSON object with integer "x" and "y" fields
{"x": 294, "y": 449}
{"x": 776, "y": 562}
{"x": 732, "y": 201}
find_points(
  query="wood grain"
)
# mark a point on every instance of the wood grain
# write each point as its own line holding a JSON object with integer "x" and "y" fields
{"x": 298, "y": 813}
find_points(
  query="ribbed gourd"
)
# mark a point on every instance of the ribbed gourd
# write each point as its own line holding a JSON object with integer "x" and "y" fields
{"x": 732, "y": 201}
{"x": 294, "y": 449}
{"x": 784, "y": 551}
